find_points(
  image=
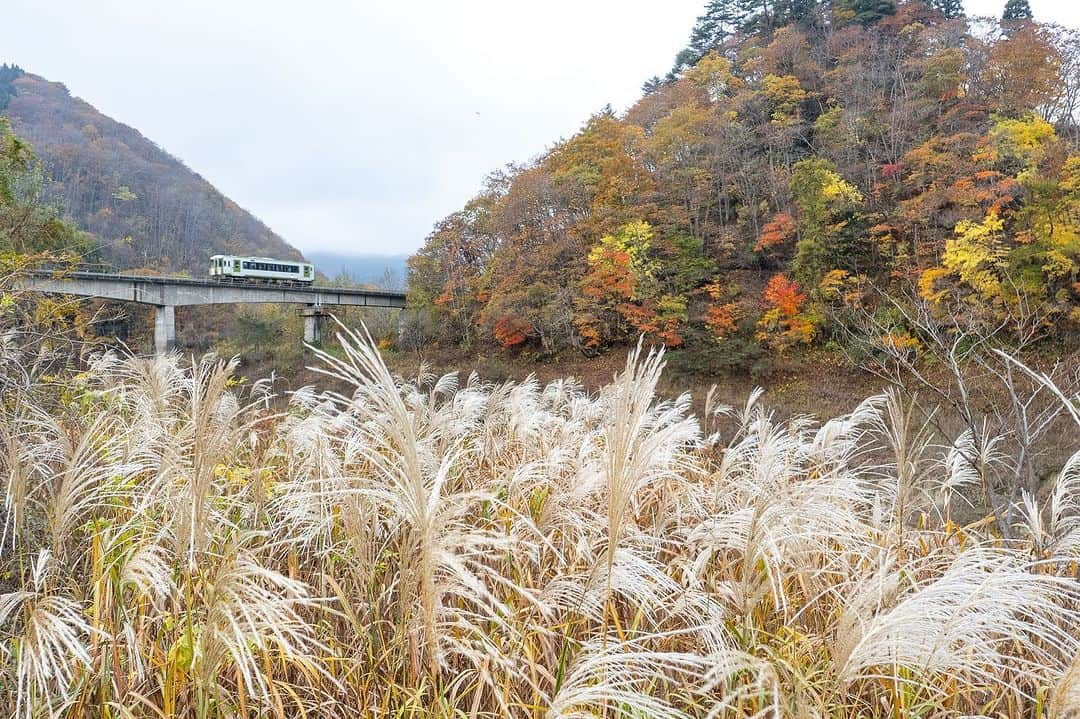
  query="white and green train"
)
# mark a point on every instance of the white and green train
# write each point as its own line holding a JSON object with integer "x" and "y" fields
{"x": 260, "y": 269}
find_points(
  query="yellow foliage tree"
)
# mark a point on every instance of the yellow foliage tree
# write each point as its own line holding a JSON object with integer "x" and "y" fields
{"x": 976, "y": 254}
{"x": 713, "y": 74}
{"x": 784, "y": 94}
{"x": 1022, "y": 139}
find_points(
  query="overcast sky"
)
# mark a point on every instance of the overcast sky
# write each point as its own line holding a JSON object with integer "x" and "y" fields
{"x": 355, "y": 126}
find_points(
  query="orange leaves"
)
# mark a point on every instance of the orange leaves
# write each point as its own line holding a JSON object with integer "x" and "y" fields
{"x": 620, "y": 291}
{"x": 512, "y": 331}
{"x": 784, "y": 295}
{"x": 1022, "y": 70}
{"x": 588, "y": 332}
{"x": 784, "y": 324}
{"x": 776, "y": 231}
{"x": 658, "y": 319}
{"x": 610, "y": 273}
{"x": 722, "y": 319}
{"x": 898, "y": 342}
{"x": 987, "y": 176}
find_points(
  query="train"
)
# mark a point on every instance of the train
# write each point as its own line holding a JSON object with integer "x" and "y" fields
{"x": 232, "y": 268}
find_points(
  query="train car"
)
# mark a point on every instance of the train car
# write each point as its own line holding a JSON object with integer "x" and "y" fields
{"x": 260, "y": 269}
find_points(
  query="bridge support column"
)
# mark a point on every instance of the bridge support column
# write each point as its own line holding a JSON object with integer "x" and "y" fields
{"x": 164, "y": 329}
{"x": 313, "y": 319}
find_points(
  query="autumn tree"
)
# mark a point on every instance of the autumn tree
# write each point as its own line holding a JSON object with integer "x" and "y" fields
{"x": 1063, "y": 109}
{"x": 619, "y": 281}
{"x": 784, "y": 323}
{"x": 446, "y": 273}
{"x": 1021, "y": 71}
{"x": 531, "y": 279}
{"x": 825, "y": 203}
{"x": 598, "y": 173}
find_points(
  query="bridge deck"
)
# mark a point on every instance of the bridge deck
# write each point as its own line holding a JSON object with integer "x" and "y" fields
{"x": 165, "y": 291}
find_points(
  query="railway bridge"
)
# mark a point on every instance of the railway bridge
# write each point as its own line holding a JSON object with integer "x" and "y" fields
{"x": 167, "y": 293}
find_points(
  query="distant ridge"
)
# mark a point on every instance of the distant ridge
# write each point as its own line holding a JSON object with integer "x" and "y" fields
{"x": 384, "y": 271}
{"x": 145, "y": 206}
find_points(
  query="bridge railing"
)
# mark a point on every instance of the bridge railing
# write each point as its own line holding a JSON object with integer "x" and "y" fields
{"x": 210, "y": 282}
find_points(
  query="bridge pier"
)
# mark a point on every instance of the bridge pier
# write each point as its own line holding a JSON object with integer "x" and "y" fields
{"x": 165, "y": 294}
{"x": 313, "y": 318}
{"x": 164, "y": 329}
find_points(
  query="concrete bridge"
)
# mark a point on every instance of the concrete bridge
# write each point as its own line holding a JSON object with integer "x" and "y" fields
{"x": 168, "y": 293}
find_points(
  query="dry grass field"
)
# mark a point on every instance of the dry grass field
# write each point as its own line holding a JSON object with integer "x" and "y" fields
{"x": 175, "y": 544}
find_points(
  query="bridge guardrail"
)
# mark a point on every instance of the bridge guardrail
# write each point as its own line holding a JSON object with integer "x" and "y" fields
{"x": 197, "y": 282}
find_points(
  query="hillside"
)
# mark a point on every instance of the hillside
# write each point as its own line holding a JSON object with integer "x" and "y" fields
{"x": 146, "y": 208}
{"x": 796, "y": 166}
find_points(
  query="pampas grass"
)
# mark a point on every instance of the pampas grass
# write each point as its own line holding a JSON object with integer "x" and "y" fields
{"x": 179, "y": 544}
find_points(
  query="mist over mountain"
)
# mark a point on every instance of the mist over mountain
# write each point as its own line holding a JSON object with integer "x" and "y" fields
{"x": 386, "y": 271}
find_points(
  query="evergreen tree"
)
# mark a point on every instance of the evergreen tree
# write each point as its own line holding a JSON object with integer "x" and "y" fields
{"x": 863, "y": 11}
{"x": 800, "y": 12}
{"x": 1016, "y": 10}
{"x": 757, "y": 15}
{"x": 720, "y": 19}
{"x": 949, "y": 8}
{"x": 8, "y": 75}
{"x": 651, "y": 85}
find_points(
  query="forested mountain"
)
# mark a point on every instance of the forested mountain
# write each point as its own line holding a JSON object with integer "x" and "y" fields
{"x": 800, "y": 159}
{"x": 146, "y": 209}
